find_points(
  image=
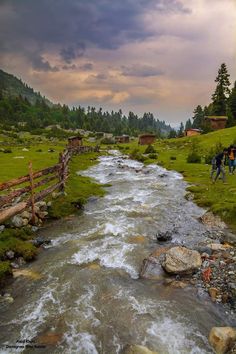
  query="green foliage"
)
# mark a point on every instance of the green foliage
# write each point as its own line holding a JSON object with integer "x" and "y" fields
{"x": 153, "y": 156}
{"x": 5, "y": 270}
{"x": 150, "y": 149}
{"x": 172, "y": 134}
{"x": 20, "y": 106}
{"x": 222, "y": 91}
{"x": 194, "y": 157}
{"x": 137, "y": 155}
{"x": 107, "y": 141}
{"x": 213, "y": 151}
{"x": 172, "y": 158}
{"x": 21, "y": 248}
{"x": 78, "y": 188}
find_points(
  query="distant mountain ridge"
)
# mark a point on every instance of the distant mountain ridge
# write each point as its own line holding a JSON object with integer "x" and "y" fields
{"x": 11, "y": 86}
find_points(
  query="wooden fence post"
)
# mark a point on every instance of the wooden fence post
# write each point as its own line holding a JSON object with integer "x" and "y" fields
{"x": 32, "y": 192}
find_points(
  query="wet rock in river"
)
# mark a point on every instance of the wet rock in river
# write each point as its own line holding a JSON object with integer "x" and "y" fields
{"x": 164, "y": 236}
{"x": 39, "y": 241}
{"x": 137, "y": 349}
{"x": 181, "y": 260}
{"x": 222, "y": 339}
{"x": 151, "y": 269}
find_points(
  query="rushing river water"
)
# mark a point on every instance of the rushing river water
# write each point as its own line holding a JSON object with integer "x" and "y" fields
{"x": 89, "y": 297}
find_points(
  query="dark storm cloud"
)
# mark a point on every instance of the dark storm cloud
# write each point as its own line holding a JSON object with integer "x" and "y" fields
{"x": 72, "y": 52}
{"x": 141, "y": 71}
{"x": 39, "y": 64}
{"x": 69, "y": 27}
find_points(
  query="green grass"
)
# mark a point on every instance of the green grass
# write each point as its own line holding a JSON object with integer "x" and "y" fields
{"x": 78, "y": 188}
{"x": 13, "y": 166}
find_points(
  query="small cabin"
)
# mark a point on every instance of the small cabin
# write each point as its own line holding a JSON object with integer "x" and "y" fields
{"x": 75, "y": 141}
{"x": 122, "y": 139}
{"x": 217, "y": 122}
{"x": 192, "y": 132}
{"x": 146, "y": 139}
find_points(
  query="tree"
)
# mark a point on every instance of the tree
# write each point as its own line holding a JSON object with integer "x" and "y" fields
{"x": 172, "y": 134}
{"x": 232, "y": 107}
{"x": 188, "y": 124}
{"x": 222, "y": 92}
{"x": 198, "y": 117}
{"x": 181, "y": 130}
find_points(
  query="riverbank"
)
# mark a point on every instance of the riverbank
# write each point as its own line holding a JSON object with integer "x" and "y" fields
{"x": 172, "y": 154}
{"x": 16, "y": 244}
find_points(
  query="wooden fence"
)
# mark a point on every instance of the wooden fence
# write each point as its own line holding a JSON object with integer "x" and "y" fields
{"x": 15, "y": 201}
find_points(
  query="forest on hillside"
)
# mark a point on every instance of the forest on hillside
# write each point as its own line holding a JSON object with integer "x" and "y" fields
{"x": 21, "y": 107}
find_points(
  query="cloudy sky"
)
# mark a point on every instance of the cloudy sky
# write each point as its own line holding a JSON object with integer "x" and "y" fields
{"x": 141, "y": 55}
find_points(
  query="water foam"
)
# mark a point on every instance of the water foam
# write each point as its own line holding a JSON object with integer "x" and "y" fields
{"x": 177, "y": 337}
{"x": 110, "y": 252}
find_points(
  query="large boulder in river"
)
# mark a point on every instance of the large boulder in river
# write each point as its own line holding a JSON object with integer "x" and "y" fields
{"x": 151, "y": 269}
{"x": 137, "y": 349}
{"x": 181, "y": 260}
{"x": 222, "y": 339}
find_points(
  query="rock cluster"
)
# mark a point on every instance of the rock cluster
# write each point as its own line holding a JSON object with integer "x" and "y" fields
{"x": 218, "y": 274}
{"x": 25, "y": 218}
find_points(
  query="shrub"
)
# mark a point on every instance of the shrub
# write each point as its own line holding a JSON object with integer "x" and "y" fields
{"x": 136, "y": 155}
{"x": 149, "y": 150}
{"x": 107, "y": 141}
{"x": 153, "y": 156}
{"x": 194, "y": 157}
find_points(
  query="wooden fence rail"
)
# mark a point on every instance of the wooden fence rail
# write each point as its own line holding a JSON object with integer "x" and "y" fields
{"x": 10, "y": 204}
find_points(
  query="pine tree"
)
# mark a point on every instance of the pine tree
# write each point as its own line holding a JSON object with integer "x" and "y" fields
{"x": 181, "y": 130}
{"x": 198, "y": 117}
{"x": 188, "y": 124}
{"x": 222, "y": 92}
{"x": 232, "y": 107}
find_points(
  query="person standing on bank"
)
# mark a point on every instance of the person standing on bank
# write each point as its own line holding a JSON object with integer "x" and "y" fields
{"x": 231, "y": 158}
{"x": 220, "y": 161}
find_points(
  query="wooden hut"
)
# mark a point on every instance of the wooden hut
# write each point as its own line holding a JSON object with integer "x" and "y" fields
{"x": 122, "y": 139}
{"x": 75, "y": 141}
{"x": 192, "y": 132}
{"x": 146, "y": 139}
{"x": 217, "y": 122}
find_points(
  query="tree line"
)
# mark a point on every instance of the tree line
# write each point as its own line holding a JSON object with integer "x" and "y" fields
{"x": 23, "y": 108}
{"x": 223, "y": 103}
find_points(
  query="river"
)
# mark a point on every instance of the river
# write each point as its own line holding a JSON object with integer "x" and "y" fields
{"x": 88, "y": 297}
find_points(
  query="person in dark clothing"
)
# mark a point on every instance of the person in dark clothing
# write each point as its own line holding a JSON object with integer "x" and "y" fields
{"x": 220, "y": 161}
